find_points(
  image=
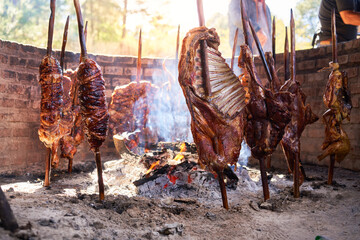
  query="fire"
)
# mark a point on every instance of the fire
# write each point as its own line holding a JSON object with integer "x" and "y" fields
{"x": 182, "y": 149}
{"x": 146, "y": 150}
{"x": 153, "y": 165}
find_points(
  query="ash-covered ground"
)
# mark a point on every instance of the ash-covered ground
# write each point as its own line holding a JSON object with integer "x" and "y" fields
{"x": 189, "y": 209}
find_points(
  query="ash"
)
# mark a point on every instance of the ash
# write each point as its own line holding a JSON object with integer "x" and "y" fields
{"x": 177, "y": 179}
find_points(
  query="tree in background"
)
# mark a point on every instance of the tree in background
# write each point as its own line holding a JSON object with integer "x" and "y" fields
{"x": 307, "y": 21}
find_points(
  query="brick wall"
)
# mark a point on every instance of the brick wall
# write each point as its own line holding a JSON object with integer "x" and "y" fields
{"x": 22, "y": 151}
{"x": 308, "y": 64}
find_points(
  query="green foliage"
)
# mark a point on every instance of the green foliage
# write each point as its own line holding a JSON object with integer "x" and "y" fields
{"x": 306, "y": 13}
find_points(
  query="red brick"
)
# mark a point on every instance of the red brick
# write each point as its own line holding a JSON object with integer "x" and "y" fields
{"x": 106, "y": 59}
{"x": 21, "y": 132}
{"x": 16, "y": 89}
{"x": 130, "y": 71}
{"x": 5, "y": 132}
{"x": 343, "y": 59}
{"x": 15, "y": 61}
{"x": 28, "y": 49}
{"x": 153, "y": 72}
{"x": 21, "y": 103}
{"x": 3, "y": 58}
{"x": 113, "y": 70}
{"x": 322, "y": 62}
{"x": 26, "y": 77}
{"x": 352, "y": 72}
{"x": 6, "y": 102}
{"x": 119, "y": 81}
{"x": 347, "y": 45}
{"x": 354, "y": 58}
{"x": 125, "y": 60}
{"x": 8, "y": 74}
{"x": 33, "y": 64}
{"x": 11, "y": 45}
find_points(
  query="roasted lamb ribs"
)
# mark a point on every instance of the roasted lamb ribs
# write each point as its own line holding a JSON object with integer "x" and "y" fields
{"x": 216, "y": 106}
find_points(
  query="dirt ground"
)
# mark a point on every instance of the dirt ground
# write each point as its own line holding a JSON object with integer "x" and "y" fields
{"x": 70, "y": 209}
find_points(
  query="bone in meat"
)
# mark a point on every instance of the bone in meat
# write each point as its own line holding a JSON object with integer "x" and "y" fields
{"x": 216, "y": 121}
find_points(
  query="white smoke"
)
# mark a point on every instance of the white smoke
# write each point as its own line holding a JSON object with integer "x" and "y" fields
{"x": 245, "y": 153}
{"x": 169, "y": 113}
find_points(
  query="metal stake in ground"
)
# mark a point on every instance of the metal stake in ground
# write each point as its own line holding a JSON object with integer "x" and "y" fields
{"x": 293, "y": 77}
{"x": 286, "y": 57}
{"x": 334, "y": 60}
{"x": 48, "y": 53}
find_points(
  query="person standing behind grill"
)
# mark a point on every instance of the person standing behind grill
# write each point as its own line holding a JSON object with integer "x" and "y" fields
{"x": 347, "y": 19}
{"x": 255, "y": 10}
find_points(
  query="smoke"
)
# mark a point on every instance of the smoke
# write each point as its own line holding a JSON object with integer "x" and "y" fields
{"x": 169, "y": 114}
{"x": 245, "y": 153}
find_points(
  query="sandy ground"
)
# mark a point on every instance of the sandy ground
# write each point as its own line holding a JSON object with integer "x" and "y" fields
{"x": 70, "y": 209}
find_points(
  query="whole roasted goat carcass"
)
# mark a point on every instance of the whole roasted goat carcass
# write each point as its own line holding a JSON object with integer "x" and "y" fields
{"x": 216, "y": 105}
{"x": 338, "y": 101}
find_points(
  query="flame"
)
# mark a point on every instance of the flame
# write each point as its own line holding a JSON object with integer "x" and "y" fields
{"x": 153, "y": 165}
{"x": 146, "y": 150}
{"x": 182, "y": 149}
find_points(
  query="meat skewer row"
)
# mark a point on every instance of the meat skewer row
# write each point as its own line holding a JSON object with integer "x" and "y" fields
{"x": 338, "y": 101}
{"x": 51, "y": 99}
{"x": 92, "y": 101}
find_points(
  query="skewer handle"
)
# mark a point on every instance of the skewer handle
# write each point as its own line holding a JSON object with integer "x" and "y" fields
{"x": 81, "y": 29}
{"x": 264, "y": 179}
{"x": 51, "y": 27}
{"x": 100, "y": 178}
{"x": 47, "y": 167}
{"x": 261, "y": 52}
{"x": 62, "y": 54}
{"x": 331, "y": 169}
{"x": 200, "y": 9}
{"x": 223, "y": 190}
{"x": 333, "y": 36}
{"x": 138, "y": 67}
{"x": 273, "y": 40}
{"x": 234, "y": 49}
{"x": 293, "y": 54}
{"x": 297, "y": 176}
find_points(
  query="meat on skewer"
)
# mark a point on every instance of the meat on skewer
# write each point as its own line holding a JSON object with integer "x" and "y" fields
{"x": 216, "y": 119}
{"x": 301, "y": 115}
{"x": 51, "y": 81}
{"x": 92, "y": 101}
{"x": 337, "y": 99}
{"x": 129, "y": 110}
{"x": 267, "y": 112}
{"x": 75, "y": 136}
